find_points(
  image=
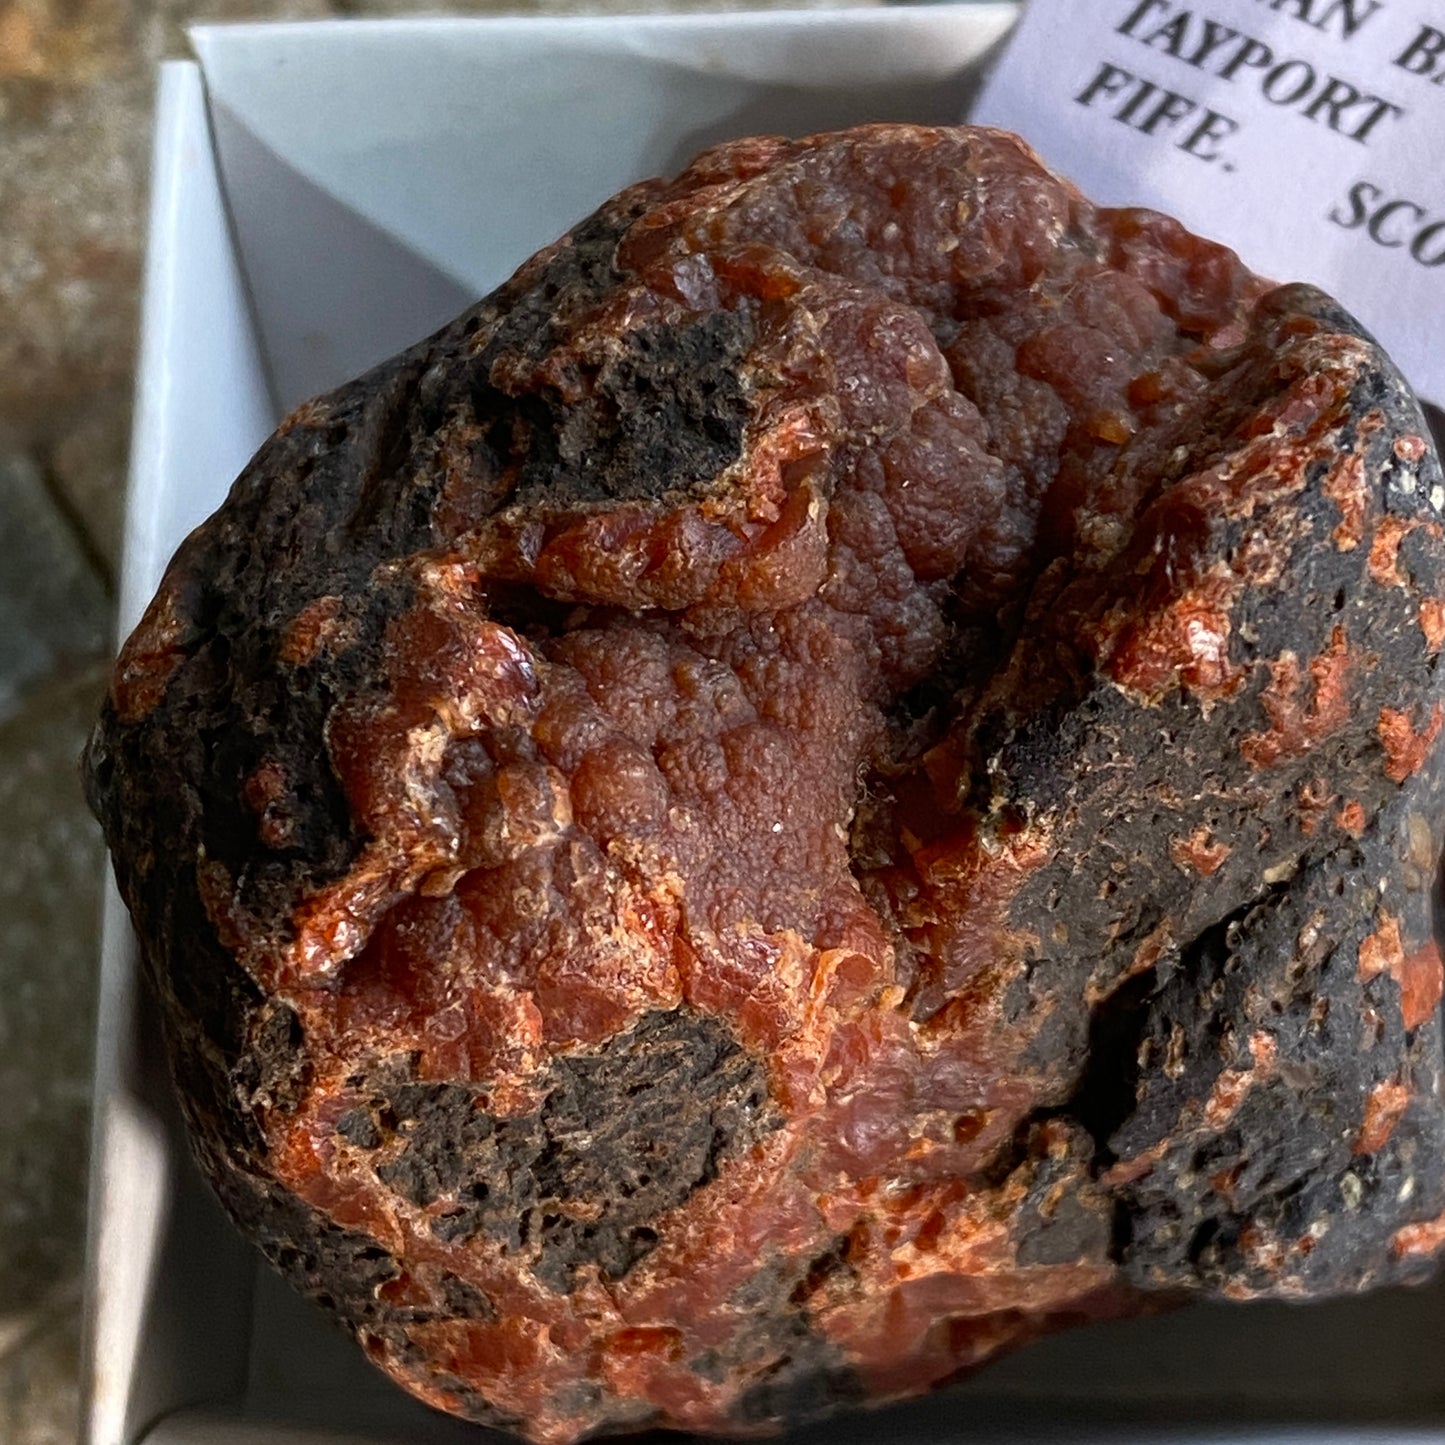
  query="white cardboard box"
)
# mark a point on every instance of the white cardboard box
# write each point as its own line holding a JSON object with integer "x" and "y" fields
{"x": 324, "y": 194}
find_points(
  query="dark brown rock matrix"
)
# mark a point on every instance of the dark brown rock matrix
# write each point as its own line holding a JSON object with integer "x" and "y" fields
{"x": 840, "y": 774}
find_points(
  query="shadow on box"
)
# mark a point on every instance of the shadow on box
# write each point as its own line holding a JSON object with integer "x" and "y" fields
{"x": 378, "y": 301}
{"x": 778, "y": 109}
{"x": 1436, "y": 418}
{"x": 201, "y": 1282}
{"x": 1192, "y": 1373}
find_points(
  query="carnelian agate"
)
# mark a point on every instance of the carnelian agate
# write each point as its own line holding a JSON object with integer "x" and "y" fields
{"x": 839, "y": 775}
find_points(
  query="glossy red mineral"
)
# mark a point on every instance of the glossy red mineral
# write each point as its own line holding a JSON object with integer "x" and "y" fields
{"x": 840, "y": 774}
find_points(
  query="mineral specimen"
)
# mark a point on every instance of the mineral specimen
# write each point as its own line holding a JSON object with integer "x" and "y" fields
{"x": 840, "y": 774}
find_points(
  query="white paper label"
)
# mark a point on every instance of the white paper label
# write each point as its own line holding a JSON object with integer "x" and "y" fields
{"x": 1309, "y": 135}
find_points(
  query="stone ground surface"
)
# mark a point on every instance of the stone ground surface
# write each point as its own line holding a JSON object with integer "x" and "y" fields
{"x": 76, "y": 88}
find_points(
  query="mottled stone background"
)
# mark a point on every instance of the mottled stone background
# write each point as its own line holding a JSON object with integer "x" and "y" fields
{"x": 76, "y": 88}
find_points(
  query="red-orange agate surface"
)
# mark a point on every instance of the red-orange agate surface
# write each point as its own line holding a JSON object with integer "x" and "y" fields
{"x": 840, "y": 774}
